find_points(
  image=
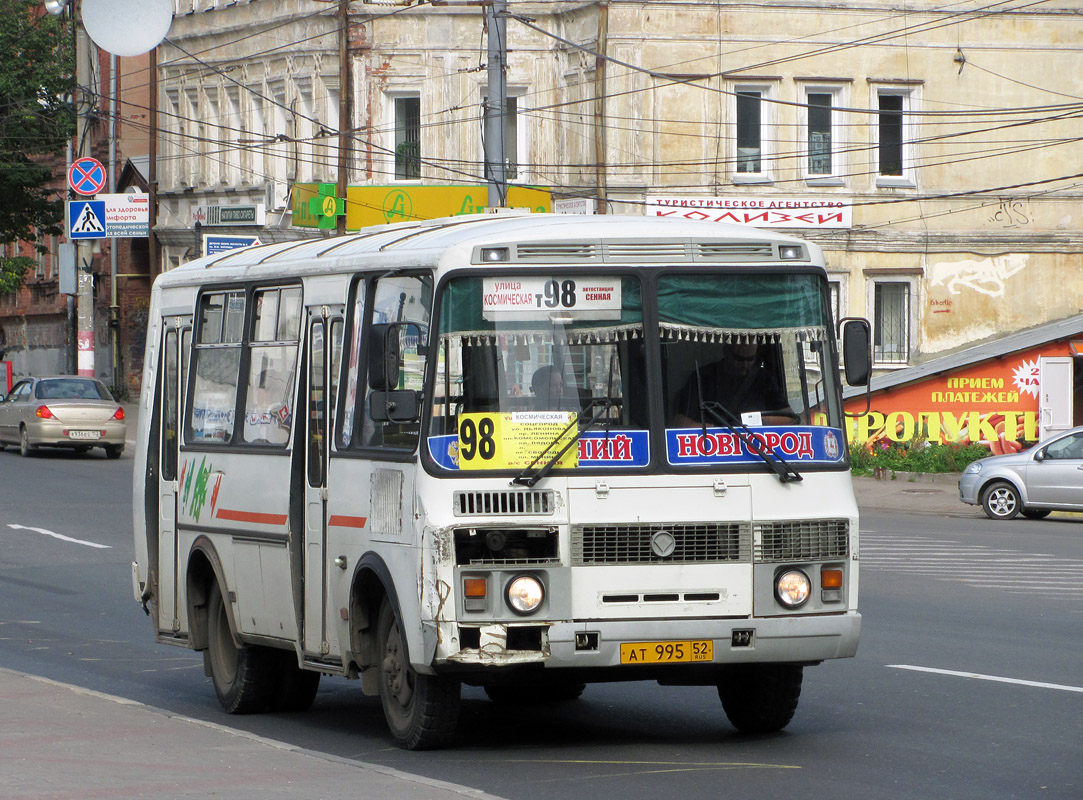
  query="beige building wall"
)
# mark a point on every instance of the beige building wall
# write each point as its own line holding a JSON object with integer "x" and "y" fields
{"x": 980, "y": 235}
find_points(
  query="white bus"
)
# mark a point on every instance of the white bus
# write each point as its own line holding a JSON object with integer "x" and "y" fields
{"x": 521, "y": 452}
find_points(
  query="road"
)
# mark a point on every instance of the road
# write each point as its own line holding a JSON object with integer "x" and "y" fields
{"x": 968, "y": 682}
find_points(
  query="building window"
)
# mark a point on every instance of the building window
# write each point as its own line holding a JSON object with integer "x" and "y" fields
{"x": 894, "y": 134}
{"x": 820, "y": 143}
{"x": 891, "y": 135}
{"x": 749, "y": 132}
{"x": 891, "y": 322}
{"x": 753, "y": 118}
{"x": 407, "y": 138}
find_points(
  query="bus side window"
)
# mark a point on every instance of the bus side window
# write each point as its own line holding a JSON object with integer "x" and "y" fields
{"x": 216, "y": 363}
{"x": 400, "y": 299}
{"x": 276, "y": 328}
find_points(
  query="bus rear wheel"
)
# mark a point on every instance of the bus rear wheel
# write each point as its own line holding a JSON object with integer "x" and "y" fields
{"x": 244, "y": 677}
{"x": 760, "y": 698}
{"x": 422, "y": 711}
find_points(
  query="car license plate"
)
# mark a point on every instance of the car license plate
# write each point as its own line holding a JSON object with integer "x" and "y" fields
{"x": 666, "y": 652}
{"x": 84, "y": 434}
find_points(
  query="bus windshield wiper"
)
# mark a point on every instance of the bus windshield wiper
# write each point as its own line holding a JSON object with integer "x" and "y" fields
{"x": 723, "y": 416}
{"x": 530, "y": 476}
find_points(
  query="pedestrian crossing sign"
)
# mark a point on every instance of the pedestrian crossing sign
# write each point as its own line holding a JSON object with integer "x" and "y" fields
{"x": 86, "y": 219}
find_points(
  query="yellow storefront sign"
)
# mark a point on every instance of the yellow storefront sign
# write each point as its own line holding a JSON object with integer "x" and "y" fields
{"x": 379, "y": 205}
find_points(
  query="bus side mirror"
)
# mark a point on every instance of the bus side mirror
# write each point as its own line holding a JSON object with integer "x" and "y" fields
{"x": 400, "y": 406}
{"x": 856, "y": 350}
{"x": 384, "y": 356}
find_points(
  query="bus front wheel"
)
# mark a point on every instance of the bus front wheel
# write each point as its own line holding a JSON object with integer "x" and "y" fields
{"x": 422, "y": 711}
{"x": 244, "y": 677}
{"x": 760, "y": 698}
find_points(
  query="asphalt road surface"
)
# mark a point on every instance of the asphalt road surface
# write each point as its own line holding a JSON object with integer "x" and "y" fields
{"x": 968, "y": 682}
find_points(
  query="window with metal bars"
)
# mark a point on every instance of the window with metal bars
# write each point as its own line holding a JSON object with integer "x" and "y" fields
{"x": 891, "y": 322}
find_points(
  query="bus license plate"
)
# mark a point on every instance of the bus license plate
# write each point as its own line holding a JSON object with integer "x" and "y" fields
{"x": 84, "y": 434}
{"x": 666, "y": 652}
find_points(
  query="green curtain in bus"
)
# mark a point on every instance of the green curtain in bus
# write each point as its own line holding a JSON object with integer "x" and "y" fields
{"x": 755, "y": 302}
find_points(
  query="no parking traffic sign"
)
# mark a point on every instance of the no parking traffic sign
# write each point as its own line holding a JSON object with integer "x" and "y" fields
{"x": 87, "y": 176}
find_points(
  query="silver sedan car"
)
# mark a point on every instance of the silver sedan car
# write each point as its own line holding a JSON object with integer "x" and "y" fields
{"x": 1047, "y": 477}
{"x": 62, "y": 411}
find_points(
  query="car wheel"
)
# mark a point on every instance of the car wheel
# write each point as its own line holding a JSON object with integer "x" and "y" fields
{"x": 114, "y": 450}
{"x": 1001, "y": 500}
{"x": 1036, "y": 513}
{"x": 25, "y": 448}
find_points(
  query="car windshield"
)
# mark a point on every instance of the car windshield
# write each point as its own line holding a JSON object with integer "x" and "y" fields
{"x": 71, "y": 389}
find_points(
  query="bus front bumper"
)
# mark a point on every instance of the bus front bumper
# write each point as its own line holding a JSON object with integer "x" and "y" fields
{"x": 598, "y": 644}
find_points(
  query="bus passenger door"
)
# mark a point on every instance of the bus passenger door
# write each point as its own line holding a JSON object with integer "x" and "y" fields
{"x": 324, "y": 343}
{"x": 176, "y": 343}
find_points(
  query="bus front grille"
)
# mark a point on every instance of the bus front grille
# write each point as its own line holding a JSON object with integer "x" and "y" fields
{"x": 502, "y": 503}
{"x": 801, "y": 540}
{"x": 679, "y": 543}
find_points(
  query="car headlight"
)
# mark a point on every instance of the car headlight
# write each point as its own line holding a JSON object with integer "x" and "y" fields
{"x": 792, "y": 588}
{"x": 972, "y": 469}
{"x": 524, "y": 594}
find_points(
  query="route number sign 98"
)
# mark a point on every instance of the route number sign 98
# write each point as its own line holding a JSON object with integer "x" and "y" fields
{"x": 538, "y": 296}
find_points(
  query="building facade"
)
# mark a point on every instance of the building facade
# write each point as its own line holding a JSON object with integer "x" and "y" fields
{"x": 932, "y": 151}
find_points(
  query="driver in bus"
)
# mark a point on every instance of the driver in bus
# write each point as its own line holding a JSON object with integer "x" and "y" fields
{"x": 547, "y": 386}
{"x": 742, "y": 381}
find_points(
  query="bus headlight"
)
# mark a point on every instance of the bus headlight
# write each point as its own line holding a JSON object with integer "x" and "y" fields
{"x": 524, "y": 594}
{"x": 792, "y": 588}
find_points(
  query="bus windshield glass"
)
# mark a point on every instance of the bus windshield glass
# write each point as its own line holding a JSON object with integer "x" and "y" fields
{"x": 521, "y": 359}
{"x": 747, "y": 351}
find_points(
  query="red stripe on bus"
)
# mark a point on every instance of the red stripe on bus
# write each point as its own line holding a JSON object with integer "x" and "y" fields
{"x": 341, "y": 521}
{"x": 251, "y": 516}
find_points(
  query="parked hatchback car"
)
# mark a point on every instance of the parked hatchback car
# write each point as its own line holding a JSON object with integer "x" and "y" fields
{"x": 62, "y": 411}
{"x": 1047, "y": 477}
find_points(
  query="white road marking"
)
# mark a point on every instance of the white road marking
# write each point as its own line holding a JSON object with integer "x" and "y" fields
{"x": 1035, "y": 574}
{"x": 59, "y": 536}
{"x": 980, "y": 677}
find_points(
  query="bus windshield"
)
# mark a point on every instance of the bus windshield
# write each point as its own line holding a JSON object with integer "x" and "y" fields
{"x": 520, "y": 359}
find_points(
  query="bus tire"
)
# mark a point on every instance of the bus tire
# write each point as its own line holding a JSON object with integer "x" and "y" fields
{"x": 534, "y": 691}
{"x": 243, "y": 677}
{"x": 422, "y": 711}
{"x": 760, "y": 698}
{"x": 295, "y": 688}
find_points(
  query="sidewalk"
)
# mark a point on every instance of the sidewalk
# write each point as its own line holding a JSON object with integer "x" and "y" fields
{"x": 914, "y": 492}
{"x": 61, "y": 742}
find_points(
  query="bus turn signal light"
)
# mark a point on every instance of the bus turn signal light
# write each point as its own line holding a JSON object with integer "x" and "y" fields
{"x": 831, "y": 578}
{"x": 474, "y": 587}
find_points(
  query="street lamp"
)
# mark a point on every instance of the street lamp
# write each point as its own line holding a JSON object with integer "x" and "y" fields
{"x": 56, "y": 7}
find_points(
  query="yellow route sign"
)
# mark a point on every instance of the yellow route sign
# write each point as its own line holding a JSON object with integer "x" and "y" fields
{"x": 513, "y": 440}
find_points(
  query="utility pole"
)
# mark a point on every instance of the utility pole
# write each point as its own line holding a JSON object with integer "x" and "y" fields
{"x": 496, "y": 103}
{"x": 345, "y": 107}
{"x": 83, "y": 254}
